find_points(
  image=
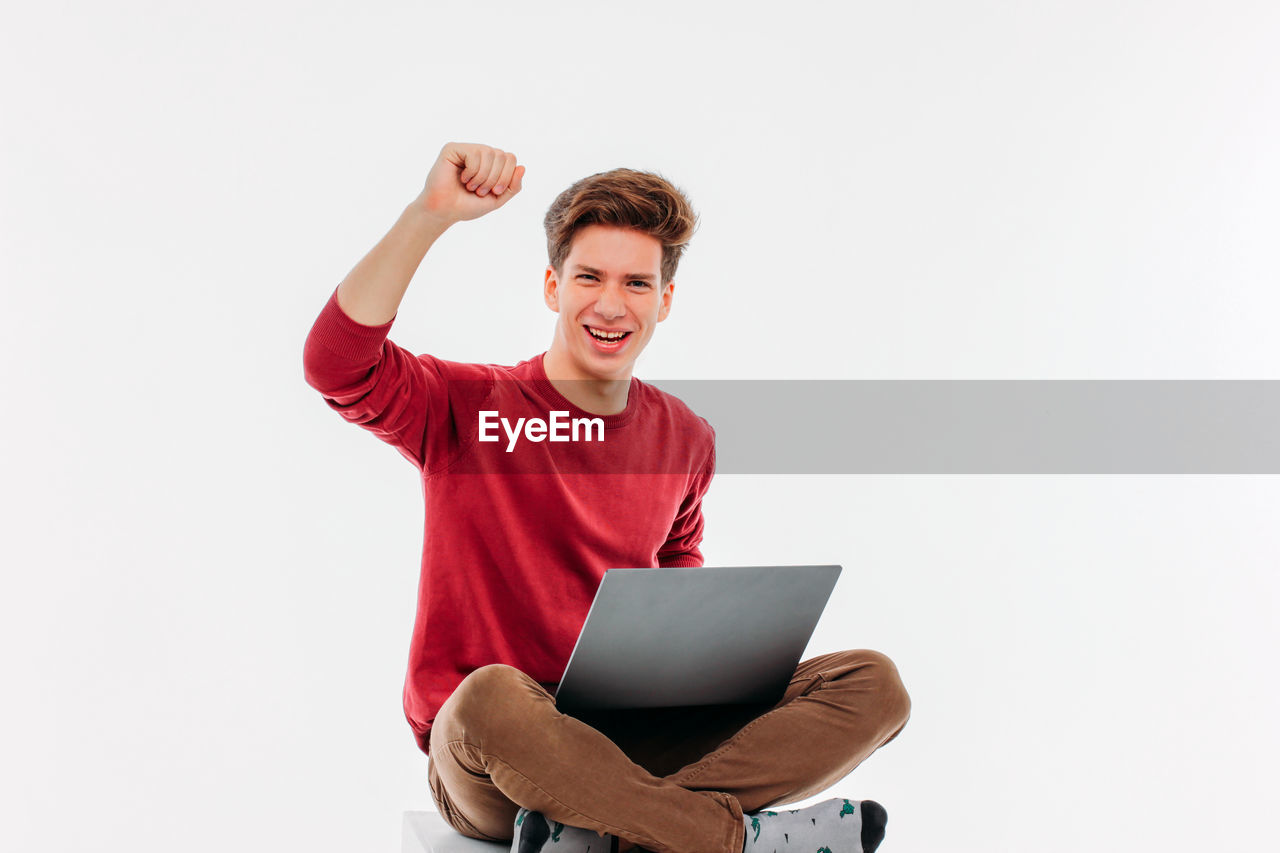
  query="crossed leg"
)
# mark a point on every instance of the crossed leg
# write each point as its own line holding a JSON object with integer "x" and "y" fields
{"x": 672, "y": 781}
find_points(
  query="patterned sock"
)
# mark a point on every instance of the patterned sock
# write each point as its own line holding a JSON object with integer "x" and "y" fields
{"x": 834, "y": 826}
{"x": 535, "y": 834}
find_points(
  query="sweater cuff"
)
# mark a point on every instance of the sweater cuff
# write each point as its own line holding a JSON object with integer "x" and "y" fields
{"x": 346, "y": 338}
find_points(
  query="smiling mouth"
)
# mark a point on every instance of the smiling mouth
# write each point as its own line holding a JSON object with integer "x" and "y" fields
{"x": 606, "y": 337}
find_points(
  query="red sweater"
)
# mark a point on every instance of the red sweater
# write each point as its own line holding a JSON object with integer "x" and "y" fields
{"x": 511, "y": 559}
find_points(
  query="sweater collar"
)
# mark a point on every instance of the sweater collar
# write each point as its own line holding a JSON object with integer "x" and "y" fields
{"x": 561, "y": 403}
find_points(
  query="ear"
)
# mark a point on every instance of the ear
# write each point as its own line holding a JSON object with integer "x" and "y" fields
{"x": 550, "y": 287}
{"x": 668, "y": 291}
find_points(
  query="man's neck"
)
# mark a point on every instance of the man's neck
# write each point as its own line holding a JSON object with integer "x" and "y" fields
{"x": 595, "y": 396}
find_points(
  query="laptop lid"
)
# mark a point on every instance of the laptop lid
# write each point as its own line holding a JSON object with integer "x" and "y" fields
{"x": 671, "y": 637}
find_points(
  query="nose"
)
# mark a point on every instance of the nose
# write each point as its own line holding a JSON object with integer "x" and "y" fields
{"x": 609, "y": 304}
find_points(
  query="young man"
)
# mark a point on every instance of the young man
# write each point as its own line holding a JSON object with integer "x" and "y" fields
{"x": 522, "y": 521}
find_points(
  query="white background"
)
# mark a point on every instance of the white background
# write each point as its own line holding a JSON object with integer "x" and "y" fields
{"x": 209, "y": 577}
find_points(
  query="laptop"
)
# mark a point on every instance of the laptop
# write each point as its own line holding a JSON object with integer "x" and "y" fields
{"x": 672, "y": 637}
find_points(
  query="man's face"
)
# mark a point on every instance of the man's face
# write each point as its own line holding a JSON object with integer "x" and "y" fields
{"x": 609, "y": 301}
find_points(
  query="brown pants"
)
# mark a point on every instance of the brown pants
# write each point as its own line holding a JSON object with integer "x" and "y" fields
{"x": 668, "y": 780}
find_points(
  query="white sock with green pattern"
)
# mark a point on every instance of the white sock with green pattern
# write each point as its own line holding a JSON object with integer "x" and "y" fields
{"x": 833, "y": 826}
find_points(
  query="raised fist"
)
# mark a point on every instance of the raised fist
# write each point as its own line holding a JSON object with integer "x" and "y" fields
{"x": 469, "y": 180}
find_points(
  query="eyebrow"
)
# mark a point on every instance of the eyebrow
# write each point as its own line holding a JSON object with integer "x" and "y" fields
{"x": 640, "y": 276}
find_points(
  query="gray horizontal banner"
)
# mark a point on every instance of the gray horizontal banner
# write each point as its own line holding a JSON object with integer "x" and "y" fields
{"x": 990, "y": 426}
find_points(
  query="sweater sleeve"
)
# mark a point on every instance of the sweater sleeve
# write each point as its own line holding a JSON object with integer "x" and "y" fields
{"x": 371, "y": 381}
{"x": 682, "y": 547}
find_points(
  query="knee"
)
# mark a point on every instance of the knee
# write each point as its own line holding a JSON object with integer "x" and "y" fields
{"x": 487, "y": 692}
{"x": 488, "y": 683}
{"x": 879, "y": 674}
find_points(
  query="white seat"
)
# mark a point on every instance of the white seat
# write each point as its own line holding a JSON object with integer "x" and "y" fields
{"x": 426, "y": 832}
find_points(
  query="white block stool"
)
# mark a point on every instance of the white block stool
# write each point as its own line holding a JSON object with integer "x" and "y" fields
{"x": 426, "y": 832}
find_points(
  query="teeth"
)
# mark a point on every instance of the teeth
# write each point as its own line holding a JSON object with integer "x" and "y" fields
{"x": 605, "y": 336}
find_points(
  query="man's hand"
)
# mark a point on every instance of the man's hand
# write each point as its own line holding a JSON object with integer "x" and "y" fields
{"x": 469, "y": 180}
{"x": 466, "y": 181}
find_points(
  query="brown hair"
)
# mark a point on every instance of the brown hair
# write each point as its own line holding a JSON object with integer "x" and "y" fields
{"x": 639, "y": 200}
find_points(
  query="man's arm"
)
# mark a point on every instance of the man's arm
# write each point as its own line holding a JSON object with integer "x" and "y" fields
{"x": 467, "y": 181}
{"x": 347, "y": 357}
{"x": 683, "y": 545}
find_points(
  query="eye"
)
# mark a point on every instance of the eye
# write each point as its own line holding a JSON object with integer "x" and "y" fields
{"x": 643, "y": 284}
{"x": 587, "y": 276}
